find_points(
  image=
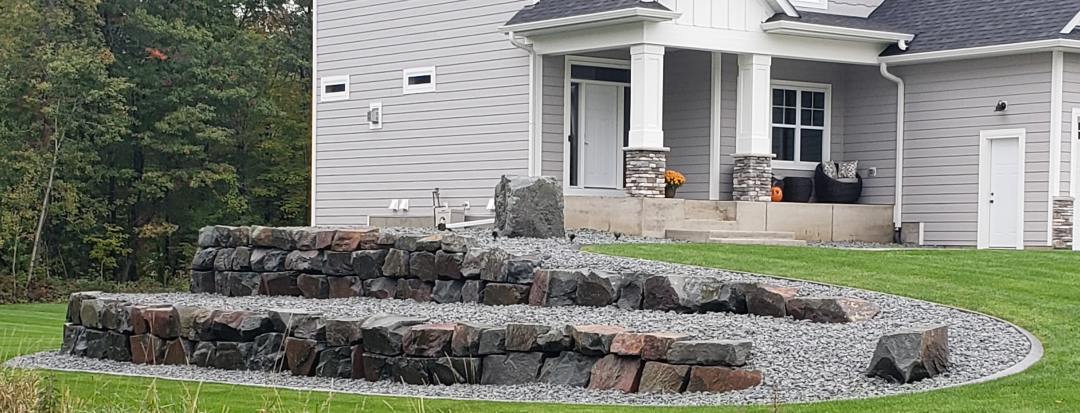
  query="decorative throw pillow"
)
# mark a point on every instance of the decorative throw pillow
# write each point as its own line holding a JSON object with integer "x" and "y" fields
{"x": 829, "y": 168}
{"x": 848, "y": 169}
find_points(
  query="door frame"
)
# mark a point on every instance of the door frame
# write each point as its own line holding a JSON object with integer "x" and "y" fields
{"x": 985, "y": 136}
{"x": 571, "y": 60}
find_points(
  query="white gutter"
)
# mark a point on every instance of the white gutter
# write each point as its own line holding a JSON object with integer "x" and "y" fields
{"x": 898, "y": 203}
{"x": 1056, "y": 104}
{"x": 1037, "y": 46}
{"x": 533, "y": 153}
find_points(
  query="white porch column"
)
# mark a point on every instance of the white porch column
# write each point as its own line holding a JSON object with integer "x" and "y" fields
{"x": 753, "y": 131}
{"x": 646, "y": 96}
{"x": 646, "y": 156}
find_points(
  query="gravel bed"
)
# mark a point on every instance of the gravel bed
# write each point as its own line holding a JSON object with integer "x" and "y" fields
{"x": 866, "y": 245}
{"x": 801, "y": 361}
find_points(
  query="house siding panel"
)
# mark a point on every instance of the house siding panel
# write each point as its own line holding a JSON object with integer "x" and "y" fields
{"x": 870, "y": 131}
{"x": 948, "y": 104}
{"x": 554, "y": 140}
{"x": 1070, "y": 101}
{"x": 687, "y": 118}
{"x": 460, "y": 139}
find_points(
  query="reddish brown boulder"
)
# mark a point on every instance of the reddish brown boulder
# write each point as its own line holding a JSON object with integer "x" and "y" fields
{"x": 831, "y": 309}
{"x": 505, "y": 294}
{"x": 554, "y": 288}
{"x": 147, "y": 349}
{"x": 163, "y": 322}
{"x": 428, "y": 340}
{"x": 627, "y": 344}
{"x": 344, "y": 287}
{"x": 415, "y": 289}
{"x": 595, "y": 340}
{"x": 178, "y": 353}
{"x": 766, "y": 299}
{"x": 348, "y": 240}
{"x": 721, "y": 379}
{"x": 616, "y": 373}
{"x": 654, "y": 346}
{"x": 307, "y": 239}
{"x": 357, "y": 359}
{"x": 449, "y": 265}
{"x": 659, "y": 377}
{"x": 313, "y": 285}
{"x": 280, "y": 284}
{"x": 301, "y": 355}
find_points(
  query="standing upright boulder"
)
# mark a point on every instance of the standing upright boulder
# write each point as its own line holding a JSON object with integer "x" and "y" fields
{"x": 911, "y": 354}
{"x": 529, "y": 207}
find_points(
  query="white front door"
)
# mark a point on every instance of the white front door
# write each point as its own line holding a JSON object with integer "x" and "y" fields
{"x": 600, "y": 135}
{"x": 1004, "y": 192}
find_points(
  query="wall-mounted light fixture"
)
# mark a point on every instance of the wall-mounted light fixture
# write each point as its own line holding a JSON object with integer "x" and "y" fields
{"x": 1001, "y": 106}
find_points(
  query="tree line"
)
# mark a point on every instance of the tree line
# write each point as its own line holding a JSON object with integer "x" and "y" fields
{"x": 126, "y": 125}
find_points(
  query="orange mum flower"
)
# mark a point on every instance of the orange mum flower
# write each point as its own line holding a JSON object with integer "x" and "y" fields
{"x": 674, "y": 179}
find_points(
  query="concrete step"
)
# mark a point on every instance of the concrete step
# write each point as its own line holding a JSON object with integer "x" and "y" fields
{"x": 704, "y": 235}
{"x": 706, "y": 225}
{"x": 760, "y": 241}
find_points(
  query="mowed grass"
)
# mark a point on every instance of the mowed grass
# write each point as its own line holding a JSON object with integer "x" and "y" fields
{"x": 1039, "y": 290}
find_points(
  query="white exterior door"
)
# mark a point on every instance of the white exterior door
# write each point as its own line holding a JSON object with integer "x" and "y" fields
{"x": 600, "y": 135}
{"x": 1004, "y": 202}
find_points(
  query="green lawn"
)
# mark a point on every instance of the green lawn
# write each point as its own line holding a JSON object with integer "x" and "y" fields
{"x": 1039, "y": 290}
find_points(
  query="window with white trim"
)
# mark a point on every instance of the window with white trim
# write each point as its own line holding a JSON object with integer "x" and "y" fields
{"x": 334, "y": 88}
{"x": 419, "y": 80}
{"x": 800, "y": 124}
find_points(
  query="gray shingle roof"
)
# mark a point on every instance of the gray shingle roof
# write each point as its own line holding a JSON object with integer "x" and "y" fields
{"x": 554, "y": 9}
{"x": 960, "y": 24}
{"x": 852, "y": 22}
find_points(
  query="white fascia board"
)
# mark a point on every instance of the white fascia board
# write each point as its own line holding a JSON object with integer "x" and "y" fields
{"x": 756, "y": 42}
{"x": 1065, "y": 45}
{"x": 589, "y": 40}
{"x": 607, "y": 18}
{"x": 832, "y": 32}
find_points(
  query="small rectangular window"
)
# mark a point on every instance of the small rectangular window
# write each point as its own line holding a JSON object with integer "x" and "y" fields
{"x": 334, "y": 88}
{"x": 420, "y": 80}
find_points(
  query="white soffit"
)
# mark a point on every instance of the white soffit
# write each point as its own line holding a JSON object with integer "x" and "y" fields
{"x": 586, "y": 21}
{"x": 833, "y": 32}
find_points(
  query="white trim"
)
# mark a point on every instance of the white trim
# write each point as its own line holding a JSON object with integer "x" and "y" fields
{"x": 333, "y": 96}
{"x": 784, "y": 6}
{"x": 1068, "y": 29}
{"x": 1067, "y": 45}
{"x": 1074, "y": 185}
{"x": 568, "y": 62}
{"x": 901, "y": 113}
{"x": 811, "y": 4}
{"x": 314, "y": 106}
{"x": 826, "y": 138}
{"x": 805, "y": 29}
{"x": 1056, "y": 92}
{"x": 536, "y": 138}
{"x": 636, "y": 14}
{"x": 715, "y": 126}
{"x": 407, "y": 89}
{"x": 985, "y": 136}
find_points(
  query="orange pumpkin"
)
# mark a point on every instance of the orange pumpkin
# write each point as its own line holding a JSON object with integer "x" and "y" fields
{"x": 777, "y": 194}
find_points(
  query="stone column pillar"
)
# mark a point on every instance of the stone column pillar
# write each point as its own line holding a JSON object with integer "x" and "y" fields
{"x": 646, "y": 156}
{"x": 753, "y": 130}
{"x": 1063, "y": 222}
{"x": 645, "y": 173}
{"x": 753, "y": 178}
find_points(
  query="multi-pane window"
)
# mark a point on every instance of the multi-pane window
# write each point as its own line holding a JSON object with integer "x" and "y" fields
{"x": 798, "y": 121}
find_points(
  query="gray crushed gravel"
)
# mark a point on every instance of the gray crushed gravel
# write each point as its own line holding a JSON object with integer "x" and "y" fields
{"x": 800, "y": 361}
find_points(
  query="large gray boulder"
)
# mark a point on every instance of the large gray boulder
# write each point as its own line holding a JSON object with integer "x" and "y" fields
{"x": 568, "y": 369}
{"x": 732, "y": 353}
{"x": 529, "y": 207}
{"x": 831, "y": 309}
{"x": 911, "y": 354}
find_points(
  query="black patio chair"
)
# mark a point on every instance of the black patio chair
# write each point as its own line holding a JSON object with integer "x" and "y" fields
{"x": 834, "y": 191}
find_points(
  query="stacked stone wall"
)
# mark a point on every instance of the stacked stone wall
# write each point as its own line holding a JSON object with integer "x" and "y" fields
{"x": 645, "y": 173}
{"x": 752, "y": 176}
{"x": 1064, "y": 208}
{"x": 403, "y": 349}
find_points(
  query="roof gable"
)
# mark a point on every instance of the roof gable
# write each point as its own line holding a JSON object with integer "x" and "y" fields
{"x": 555, "y": 9}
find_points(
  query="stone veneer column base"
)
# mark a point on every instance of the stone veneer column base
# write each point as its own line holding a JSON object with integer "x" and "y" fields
{"x": 753, "y": 178}
{"x": 1063, "y": 222}
{"x": 645, "y": 172}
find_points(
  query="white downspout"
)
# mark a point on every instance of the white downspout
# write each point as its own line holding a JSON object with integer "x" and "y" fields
{"x": 533, "y": 152}
{"x": 898, "y": 205}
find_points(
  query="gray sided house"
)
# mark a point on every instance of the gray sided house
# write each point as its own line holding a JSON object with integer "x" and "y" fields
{"x": 962, "y": 114}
